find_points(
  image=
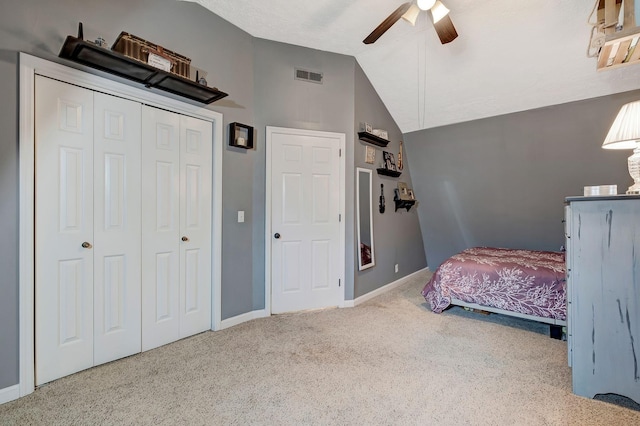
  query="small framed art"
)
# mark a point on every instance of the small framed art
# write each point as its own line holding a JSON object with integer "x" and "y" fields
{"x": 241, "y": 135}
{"x": 370, "y": 155}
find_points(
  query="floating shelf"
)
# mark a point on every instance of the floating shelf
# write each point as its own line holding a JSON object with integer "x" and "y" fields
{"x": 372, "y": 139}
{"x": 104, "y": 59}
{"x": 387, "y": 172}
{"x": 404, "y": 204}
{"x": 620, "y": 49}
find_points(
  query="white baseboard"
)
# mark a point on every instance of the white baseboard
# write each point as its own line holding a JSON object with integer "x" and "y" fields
{"x": 381, "y": 290}
{"x": 239, "y": 319}
{"x": 9, "y": 394}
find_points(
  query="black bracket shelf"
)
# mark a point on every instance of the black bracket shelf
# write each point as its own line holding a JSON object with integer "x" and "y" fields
{"x": 404, "y": 204}
{"x": 372, "y": 139}
{"x": 104, "y": 59}
{"x": 387, "y": 172}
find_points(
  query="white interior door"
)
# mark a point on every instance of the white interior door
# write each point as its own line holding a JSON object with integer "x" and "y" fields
{"x": 195, "y": 225}
{"x": 160, "y": 227}
{"x": 305, "y": 220}
{"x": 177, "y": 187}
{"x": 117, "y": 234}
{"x": 63, "y": 224}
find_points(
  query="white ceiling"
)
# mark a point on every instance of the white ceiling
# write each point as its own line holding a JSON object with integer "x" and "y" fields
{"x": 511, "y": 55}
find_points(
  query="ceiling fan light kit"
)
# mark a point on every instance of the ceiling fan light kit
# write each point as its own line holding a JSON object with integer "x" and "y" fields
{"x": 426, "y": 4}
{"x": 409, "y": 11}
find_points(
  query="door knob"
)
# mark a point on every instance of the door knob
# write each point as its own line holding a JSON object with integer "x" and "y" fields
{"x": 277, "y": 236}
{"x": 86, "y": 245}
{"x": 185, "y": 239}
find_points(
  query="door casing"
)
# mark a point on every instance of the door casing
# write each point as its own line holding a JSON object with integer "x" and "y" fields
{"x": 270, "y": 130}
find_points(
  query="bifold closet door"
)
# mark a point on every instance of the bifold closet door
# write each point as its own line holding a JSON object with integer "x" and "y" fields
{"x": 176, "y": 231}
{"x": 117, "y": 228}
{"x": 87, "y": 228}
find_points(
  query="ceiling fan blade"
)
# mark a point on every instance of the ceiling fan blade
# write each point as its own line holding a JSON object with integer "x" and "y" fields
{"x": 445, "y": 29}
{"x": 387, "y": 23}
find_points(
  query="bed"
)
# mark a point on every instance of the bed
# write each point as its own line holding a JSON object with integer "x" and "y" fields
{"x": 522, "y": 283}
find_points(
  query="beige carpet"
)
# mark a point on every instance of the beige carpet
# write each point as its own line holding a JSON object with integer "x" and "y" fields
{"x": 388, "y": 361}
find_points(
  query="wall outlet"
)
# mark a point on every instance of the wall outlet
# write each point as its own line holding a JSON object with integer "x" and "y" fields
{"x": 396, "y": 268}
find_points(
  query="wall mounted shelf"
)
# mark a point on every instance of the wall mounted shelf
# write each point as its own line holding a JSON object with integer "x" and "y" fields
{"x": 372, "y": 139}
{"x": 241, "y": 135}
{"x": 404, "y": 204}
{"x": 104, "y": 59}
{"x": 387, "y": 172}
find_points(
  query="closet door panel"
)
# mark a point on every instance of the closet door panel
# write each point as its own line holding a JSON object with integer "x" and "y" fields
{"x": 117, "y": 209}
{"x": 160, "y": 227}
{"x": 63, "y": 222}
{"x": 195, "y": 225}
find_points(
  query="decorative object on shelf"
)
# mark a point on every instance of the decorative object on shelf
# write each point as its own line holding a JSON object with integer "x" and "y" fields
{"x": 153, "y": 54}
{"x": 400, "y": 160}
{"x": 389, "y": 161}
{"x": 101, "y": 42}
{"x": 387, "y": 172}
{"x": 200, "y": 80}
{"x": 403, "y": 197}
{"x": 381, "y": 208}
{"x": 366, "y": 127}
{"x": 625, "y": 134}
{"x": 381, "y": 133}
{"x": 372, "y": 139}
{"x": 369, "y": 155}
{"x": 241, "y": 135}
{"x": 88, "y": 53}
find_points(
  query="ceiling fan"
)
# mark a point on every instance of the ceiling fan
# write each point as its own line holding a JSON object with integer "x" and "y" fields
{"x": 409, "y": 11}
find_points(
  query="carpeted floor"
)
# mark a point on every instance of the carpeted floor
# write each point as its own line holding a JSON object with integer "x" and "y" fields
{"x": 385, "y": 362}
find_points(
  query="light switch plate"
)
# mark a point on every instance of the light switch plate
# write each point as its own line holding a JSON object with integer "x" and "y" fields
{"x": 240, "y": 216}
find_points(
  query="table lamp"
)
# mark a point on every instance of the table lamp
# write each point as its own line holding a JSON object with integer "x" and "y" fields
{"x": 625, "y": 134}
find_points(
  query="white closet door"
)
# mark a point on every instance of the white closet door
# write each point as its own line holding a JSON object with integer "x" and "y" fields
{"x": 63, "y": 223}
{"x": 195, "y": 226}
{"x": 117, "y": 257}
{"x": 160, "y": 227}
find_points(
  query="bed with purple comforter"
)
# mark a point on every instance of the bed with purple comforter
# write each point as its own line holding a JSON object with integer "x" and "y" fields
{"x": 531, "y": 283}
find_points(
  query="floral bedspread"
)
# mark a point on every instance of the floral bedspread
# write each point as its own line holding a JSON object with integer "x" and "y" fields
{"x": 524, "y": 281}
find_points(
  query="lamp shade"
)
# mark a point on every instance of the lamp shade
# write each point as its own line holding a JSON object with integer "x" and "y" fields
{"x": 411, "y": 15}
{"x": 439, "y": 11}
{"x": 625, "y": 130}
{"x": 425, "y": 4}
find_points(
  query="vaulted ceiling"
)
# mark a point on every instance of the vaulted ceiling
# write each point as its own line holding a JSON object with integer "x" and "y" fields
{"x": 511, "y": 55}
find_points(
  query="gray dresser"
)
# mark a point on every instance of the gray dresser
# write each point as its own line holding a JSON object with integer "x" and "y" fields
{"x": 603, "y": 280}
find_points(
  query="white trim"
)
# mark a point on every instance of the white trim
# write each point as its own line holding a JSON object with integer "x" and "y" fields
{"x": 383, "y": 289}
{"x": 267, "y": 207}
{"x": 9, "y": 394}
{"x": 106, "y": 83}
{"x": 242, "y": 318}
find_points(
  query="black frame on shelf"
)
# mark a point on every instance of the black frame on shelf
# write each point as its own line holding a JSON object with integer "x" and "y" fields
{"x": 237, "y": 130}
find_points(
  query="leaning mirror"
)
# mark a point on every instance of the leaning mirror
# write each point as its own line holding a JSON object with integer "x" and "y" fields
{"x": 365, "y": 219}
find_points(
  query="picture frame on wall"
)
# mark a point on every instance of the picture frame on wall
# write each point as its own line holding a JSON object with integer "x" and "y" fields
{"x": 389, "y": 161}
{"x": 369, "y": 155}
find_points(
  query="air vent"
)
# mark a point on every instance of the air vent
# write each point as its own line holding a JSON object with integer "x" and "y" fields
{"x": 310, "y": 76}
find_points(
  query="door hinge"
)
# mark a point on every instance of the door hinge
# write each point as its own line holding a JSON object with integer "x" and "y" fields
{"x": 339, "y": 283}
{"x": 339, "y": 218}
{"x": 340, "y": 152}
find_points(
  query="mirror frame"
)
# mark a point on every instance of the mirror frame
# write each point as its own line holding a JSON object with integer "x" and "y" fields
{"x": 360, "y": 172}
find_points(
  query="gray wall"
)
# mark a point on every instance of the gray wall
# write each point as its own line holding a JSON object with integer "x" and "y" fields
{"x": 282, "y": 101}
{"x": 214, "y": 45}
{"x": 502, "y": 181}
{"x": 258, "y": 75}
{"x": 396, "y": 235}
